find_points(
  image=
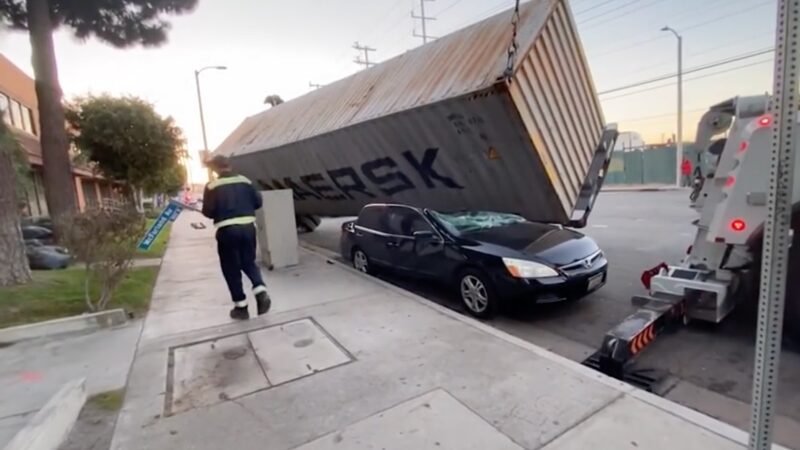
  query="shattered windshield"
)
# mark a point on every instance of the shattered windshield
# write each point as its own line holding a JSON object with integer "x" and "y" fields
{"x": 468, "y": 222}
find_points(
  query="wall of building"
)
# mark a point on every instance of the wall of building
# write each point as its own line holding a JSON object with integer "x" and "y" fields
{"x": 20, "y": 111}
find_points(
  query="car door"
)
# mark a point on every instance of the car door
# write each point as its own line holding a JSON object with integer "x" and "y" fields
{"x": 371, "y": 234}
{"x": 412, "y": 254}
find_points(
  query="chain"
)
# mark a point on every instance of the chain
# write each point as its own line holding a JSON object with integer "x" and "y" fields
{"x": 513, "y": 47}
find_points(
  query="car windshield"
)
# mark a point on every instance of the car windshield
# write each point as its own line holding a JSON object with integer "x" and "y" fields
{"x": 468, "y": 222}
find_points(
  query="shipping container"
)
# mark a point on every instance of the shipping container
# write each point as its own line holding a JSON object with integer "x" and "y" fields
{"x": 456, "y": 124}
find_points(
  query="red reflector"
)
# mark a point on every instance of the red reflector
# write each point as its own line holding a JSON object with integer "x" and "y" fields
{"x": 719, "y": 240}
{"x": 743, "y": 146}
{"x": 765, "y": 120}
{"x": 730, "y": 181}
{"x": 738, "y": 225}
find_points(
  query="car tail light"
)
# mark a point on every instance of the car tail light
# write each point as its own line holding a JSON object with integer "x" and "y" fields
{"x": 738, "y": 225}
{"x": 730, "y": 181}
{"x": 743, "y": 146}
{"x": 765, "y": 120}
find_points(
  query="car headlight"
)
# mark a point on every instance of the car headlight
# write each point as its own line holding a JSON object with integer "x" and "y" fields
{"x": 520, "y": 268}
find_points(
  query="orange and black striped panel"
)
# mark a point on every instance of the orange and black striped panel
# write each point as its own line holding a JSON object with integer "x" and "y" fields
{"x": 642, "y": 340}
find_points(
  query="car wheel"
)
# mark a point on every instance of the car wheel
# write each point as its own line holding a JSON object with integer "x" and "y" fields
{"x": 477, "y": 294}
{"x": 361, "y": 261}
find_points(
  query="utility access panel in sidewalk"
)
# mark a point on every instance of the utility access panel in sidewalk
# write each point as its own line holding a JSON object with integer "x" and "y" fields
{"x": 501, "y": 115}
{"x": 212, "y": 371}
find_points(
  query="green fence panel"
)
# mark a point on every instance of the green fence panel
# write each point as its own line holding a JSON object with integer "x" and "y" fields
{"x": 659, "y": 166}
{"x": 634, "y": 167}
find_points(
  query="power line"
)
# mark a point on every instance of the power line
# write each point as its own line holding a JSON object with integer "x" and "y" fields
{"x": 449, "y": 7}
{"x": 605, "y": 13}
{"x": 688, "y": 71}
{"x": 658, "y": 116}
{"x": 593, "y": 7}
{"x": 619, "y": 16}
{"x": 682, "y": 28}
{"x": 719, "y": 72}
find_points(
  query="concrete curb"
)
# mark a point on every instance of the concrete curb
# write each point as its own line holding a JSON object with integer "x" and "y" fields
{"x": 49, "y": 427}
{"x": 84, "y": 322}
{"x": 709, "y": 423}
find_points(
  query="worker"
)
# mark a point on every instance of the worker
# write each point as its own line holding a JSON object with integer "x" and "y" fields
{"x": 231, "y": 202}
{"x": 686, "y": 173}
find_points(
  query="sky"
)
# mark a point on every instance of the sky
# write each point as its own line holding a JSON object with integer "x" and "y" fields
{"x": 279, "y": 47}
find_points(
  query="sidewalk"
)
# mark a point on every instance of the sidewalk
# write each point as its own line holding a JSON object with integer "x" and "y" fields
{"x": 32, "y": 371}
{"x": 347, "y": 361}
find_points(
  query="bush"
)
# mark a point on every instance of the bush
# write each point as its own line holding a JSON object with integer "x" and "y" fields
{"x": 105, "y": 241}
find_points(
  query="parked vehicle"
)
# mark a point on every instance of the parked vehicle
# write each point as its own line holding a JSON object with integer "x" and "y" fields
{"x": 46, "y": 257}
{"x": 489, "y": 257}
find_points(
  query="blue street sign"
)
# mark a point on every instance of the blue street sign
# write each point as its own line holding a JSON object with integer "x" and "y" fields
{"x": 169, "y": 214}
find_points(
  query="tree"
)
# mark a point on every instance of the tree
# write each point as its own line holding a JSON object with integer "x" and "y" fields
{"x": 14, "y": 267}
{"x": 273, "y": 100}
{"x": 121, "y": 23}
{"x": 130, "y": 142}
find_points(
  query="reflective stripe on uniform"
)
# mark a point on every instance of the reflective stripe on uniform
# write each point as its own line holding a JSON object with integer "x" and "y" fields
{"x": 228, "y": 180}
{"x": 235, "y": 221}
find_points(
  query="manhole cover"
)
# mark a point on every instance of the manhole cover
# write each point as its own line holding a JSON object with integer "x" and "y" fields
{"x": 209, "y": 372}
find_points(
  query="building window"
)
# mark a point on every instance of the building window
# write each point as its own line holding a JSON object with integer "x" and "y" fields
{"x": 4, "y": 108}
{"x": 16, "y": 114}
{"x": 27, "y": 124}
{"x": 32, "y": 120}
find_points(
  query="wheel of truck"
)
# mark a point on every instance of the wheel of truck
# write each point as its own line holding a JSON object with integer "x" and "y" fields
{"x": 477, "y": 294}
{"x": 306, "y": 223}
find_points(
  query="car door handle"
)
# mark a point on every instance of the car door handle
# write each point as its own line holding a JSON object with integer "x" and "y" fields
{"x": 392, "y": 244}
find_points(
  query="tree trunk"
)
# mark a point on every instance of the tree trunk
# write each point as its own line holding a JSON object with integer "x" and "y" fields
{"x": 59, "y": 187}
{"x": 13, "y": 260}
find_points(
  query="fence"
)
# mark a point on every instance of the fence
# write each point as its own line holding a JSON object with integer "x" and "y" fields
{"x": 649, "y": 166}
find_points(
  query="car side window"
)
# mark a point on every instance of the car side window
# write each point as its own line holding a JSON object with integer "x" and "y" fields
{"x": 405, "y": 222}
{"x": 370, "y": 218}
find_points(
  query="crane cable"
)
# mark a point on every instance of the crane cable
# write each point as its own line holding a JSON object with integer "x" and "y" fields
{"x": 513, "y": 46}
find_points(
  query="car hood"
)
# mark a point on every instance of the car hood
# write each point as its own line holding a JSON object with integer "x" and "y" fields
{"x": 546, "y": 243}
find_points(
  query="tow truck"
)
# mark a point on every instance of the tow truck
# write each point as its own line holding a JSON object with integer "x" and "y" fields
{"x": 723, "y": 265}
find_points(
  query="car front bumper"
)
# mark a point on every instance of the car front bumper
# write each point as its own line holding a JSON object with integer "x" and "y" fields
{"x": 551, "y": 290}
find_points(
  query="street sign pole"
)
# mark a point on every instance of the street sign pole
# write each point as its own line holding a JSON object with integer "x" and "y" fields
{"x": 777, "y": 228}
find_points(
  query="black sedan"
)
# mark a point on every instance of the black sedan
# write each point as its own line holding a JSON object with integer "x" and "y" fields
{"x": 490, "y": 257}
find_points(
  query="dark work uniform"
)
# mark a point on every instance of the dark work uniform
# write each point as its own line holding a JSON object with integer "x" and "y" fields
{"x": 231, "y": 202}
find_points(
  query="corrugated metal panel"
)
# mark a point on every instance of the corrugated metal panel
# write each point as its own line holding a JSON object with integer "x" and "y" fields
{"x": 440, "y": 127}
{"x": 468, "y": 60}
{"x": 555, "y": 96}
{"x": 472, "y": 144}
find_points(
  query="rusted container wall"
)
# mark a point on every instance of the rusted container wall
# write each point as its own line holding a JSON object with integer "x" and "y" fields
{"x": 440, "y": 126}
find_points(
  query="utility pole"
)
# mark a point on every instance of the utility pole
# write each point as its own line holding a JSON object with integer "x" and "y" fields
{"x": 424, "y": 19}
{"x": 314, "y": 85}
{"x": 197, "y": 73}
{"x": 777, "y": 228}
{"x": 366, "y": 49}
{"x": 679, "y": 140}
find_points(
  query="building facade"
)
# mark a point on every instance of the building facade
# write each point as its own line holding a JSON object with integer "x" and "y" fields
{"x": 19, "y": 108}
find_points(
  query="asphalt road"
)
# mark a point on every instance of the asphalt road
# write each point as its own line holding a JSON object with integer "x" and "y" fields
{"x": 710, "y": 366}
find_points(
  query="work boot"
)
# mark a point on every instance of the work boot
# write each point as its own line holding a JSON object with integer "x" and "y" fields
{"x": 240, "y": 313}
{"x": 263, "y": 302}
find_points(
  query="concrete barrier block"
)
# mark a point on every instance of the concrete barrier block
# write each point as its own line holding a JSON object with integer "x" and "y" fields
{"x": 49, "y": 427}
{"x": 84, "y": 322}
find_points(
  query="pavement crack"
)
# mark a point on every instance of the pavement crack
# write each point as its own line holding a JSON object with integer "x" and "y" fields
{"x": 248, "y": 411}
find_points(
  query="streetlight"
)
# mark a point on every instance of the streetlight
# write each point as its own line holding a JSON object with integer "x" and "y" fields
{"x": 679, "y": 143}
{"x": 200, "y": 104}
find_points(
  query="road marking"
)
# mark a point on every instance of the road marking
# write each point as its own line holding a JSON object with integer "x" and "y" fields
{"x": 599, "y": 226}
